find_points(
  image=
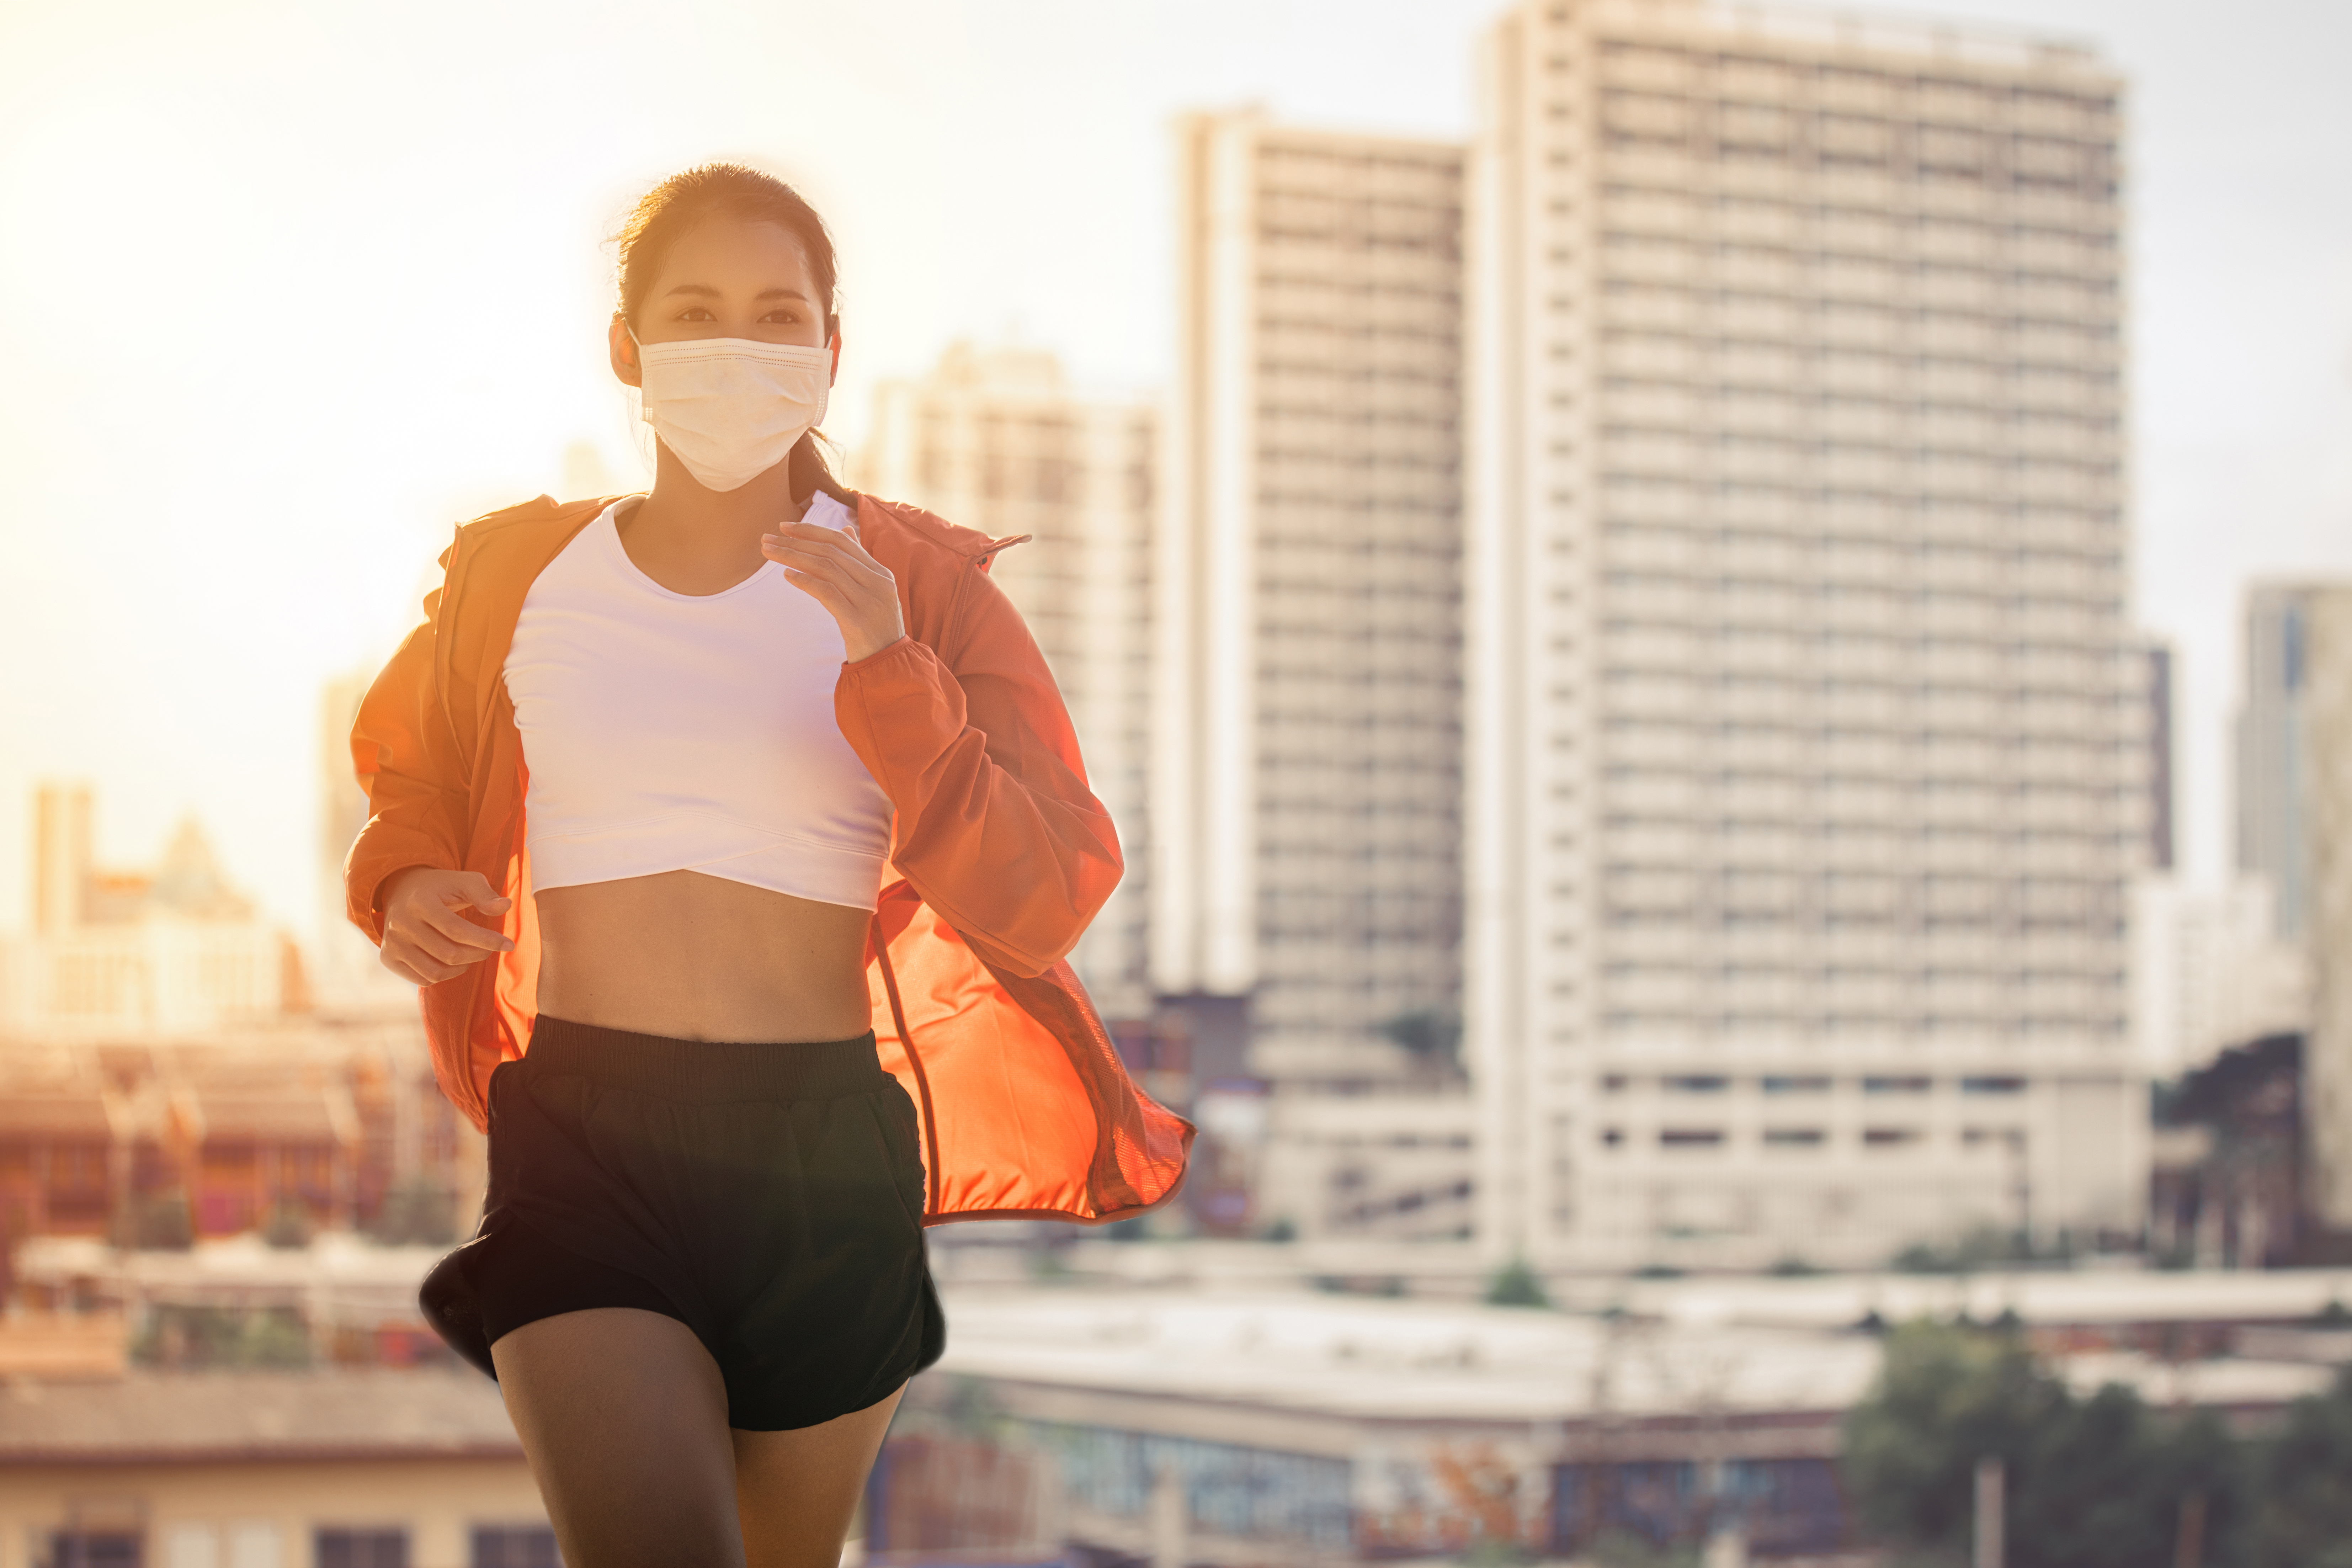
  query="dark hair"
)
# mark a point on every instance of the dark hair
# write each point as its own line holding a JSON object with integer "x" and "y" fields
{"x": 680, "y": 204}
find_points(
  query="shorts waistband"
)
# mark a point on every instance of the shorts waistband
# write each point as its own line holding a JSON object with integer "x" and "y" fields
{"x": 655, "y": 1064}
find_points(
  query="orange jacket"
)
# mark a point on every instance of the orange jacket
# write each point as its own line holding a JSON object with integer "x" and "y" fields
{"x": 1000, "y": 854}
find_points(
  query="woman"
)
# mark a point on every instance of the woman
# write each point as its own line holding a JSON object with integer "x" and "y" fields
{"x": 736, "y": 833}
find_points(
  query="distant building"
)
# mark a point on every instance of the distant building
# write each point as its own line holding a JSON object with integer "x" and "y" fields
{"x": 287, "y": 1125}
{"x": 2162, "y": 790}
{"x": 350, "y": 977}
{"x": 170, "y": 950}
{"x": 1807, "y": 758}
{"x": 2209, "y": 973}
{"x": 1307, "y": 740}
{"x": 2327, "y": 783}
{"x": 997, "y": 439}
{"x": 267, "y": 1470}
{"x": 2272, "y": 812}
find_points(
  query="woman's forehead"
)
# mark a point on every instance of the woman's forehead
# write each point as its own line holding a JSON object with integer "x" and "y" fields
{"x": 737, "y": 247}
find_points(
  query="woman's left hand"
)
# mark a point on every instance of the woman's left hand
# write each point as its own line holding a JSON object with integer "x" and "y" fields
{"x": 830, "y": 566}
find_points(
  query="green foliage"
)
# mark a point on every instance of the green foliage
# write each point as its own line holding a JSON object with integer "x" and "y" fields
{"x": 2093, "y": 1483}
{"x": 1516, "y": 1285}
{"x": 289, "y": 1226}
{"x": 416, "y": 1211}
{"x": 179, "y": 1336}
{"x": 1493, "y": 1551}
{"x": 1431, "y": 1033}
{"x": 1282, "y": 1228}
{"x": 161, "y": 1221}
{"x": 2303, "y": 1514}
{"x": 1792, "y": 1266}
{"x": 1623, "y": 1548}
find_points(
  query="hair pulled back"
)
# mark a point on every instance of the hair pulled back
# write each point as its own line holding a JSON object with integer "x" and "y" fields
{"x": 682, "y": 203}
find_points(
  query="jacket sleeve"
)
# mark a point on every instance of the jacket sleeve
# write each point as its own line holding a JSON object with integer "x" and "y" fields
{"x": 996, "y": 827}
{"x": 406, "y": 760}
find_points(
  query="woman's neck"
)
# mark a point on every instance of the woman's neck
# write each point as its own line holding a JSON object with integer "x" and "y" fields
{"x": 685, "y": 532}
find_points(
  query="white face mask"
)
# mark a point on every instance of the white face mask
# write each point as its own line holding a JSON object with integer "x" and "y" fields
{"x": 732, "y": 408}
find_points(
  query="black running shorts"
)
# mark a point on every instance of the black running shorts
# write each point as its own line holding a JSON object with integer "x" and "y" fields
{"x": 770, "y": 1197}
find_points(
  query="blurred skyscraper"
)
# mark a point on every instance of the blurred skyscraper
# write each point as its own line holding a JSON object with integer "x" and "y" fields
{"x": 2272, "y": 835}
{"x": 2323, "y": 647}
{"x": 1307, "y": 739}
{"x": 350, "y": 977}
{"x": 170, "y": 950}
{"x": 997, "y": 440}
{"x": 1807, "y": 762}
{"x": 2162, "y": 698}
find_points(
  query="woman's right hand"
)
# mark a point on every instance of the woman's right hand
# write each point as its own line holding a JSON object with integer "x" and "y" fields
{"x": 426, "y": 939}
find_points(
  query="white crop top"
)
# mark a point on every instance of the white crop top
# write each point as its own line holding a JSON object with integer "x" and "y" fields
{"x": 679, "y": 731}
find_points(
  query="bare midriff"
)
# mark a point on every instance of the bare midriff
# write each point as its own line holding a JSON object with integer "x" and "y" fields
{"x": 700, "y": 958}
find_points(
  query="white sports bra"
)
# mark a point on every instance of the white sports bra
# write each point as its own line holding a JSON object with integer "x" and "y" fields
{"x": 679, "y": 732}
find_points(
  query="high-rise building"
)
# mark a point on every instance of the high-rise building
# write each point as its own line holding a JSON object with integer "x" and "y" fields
{"x": 998, "y": 440}
{"x": 169, "y": 950}
{"x": 2162, "y": 785}
{"x": 350, "y": 977}
{"x": 2325, "y": 651}
{"x": 1806, "y": 758}
{"x": 2273, "y": 832}
{"x": 1307, "y": 739}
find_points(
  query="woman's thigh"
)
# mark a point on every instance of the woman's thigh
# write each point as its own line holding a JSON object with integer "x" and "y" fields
{"x": 622, "y": 1416}
{"x": 795, "y": 1492}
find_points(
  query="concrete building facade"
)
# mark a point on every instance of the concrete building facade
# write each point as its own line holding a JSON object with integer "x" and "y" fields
{"x": 171, "y": 949}
{"x": 2273, "y": 839}
{"x": 997, "y": 439}
{"x": 1306, "y": 774}
{"x": 1807, "y": 737}
{"x": 2326, "y": 787}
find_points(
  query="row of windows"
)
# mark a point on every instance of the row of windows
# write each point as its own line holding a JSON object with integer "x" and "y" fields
{"x": 1861, "y": 228}
{"x": 1917, "y": 1139}
{"x": 260, "y": 1544}
{"x": 2034, "y": 1026}
{"x": 1963, "y": 100}
{"x": 1814, "y": 1083}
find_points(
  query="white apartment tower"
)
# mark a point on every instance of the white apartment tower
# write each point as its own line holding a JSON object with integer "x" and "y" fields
{"x": 1806, "y": 779}
{"x": 997, "y": 439}
{"x": 1307, "y": 742}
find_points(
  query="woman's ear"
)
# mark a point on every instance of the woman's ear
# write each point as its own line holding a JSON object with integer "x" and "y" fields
{"x": 624, "y": 352}
{"x": 834, "y": 375}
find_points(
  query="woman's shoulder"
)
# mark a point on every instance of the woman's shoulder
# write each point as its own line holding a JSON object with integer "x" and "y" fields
{"x": 539, "y": 513}
{"x": 925, "y": 535}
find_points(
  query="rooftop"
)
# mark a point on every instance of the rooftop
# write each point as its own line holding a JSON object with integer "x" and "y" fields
{"x": 189, "y": 1417}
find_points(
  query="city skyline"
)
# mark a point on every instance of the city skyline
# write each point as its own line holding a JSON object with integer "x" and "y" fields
{"x": 2232, "y": 475}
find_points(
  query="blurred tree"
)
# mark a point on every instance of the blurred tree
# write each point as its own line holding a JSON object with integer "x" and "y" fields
{"x": 2094, "y": 1483}
{"x": 2304, "y": 1516}
{"x": 1516, "y": 1285}
{"x": 290, "y": 1225}
{"x": 417, "y": 1212}
{"x": 1432, "y": 1035}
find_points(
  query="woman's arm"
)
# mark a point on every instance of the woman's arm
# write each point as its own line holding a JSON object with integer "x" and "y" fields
{"x": 996, "y": 827}
{"x": 402, "y": 882}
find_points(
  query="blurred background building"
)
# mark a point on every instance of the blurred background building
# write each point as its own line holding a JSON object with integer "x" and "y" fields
{"x": 996, "y": 440}
{"x": 2323, "y": 727}
{"x": 1806, "y": 732}
{"x": 1306, "y": 713}
{"x": 169, "y": 949}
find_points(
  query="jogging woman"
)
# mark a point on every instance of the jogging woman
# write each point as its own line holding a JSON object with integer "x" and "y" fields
{"x": 736, "y": 833}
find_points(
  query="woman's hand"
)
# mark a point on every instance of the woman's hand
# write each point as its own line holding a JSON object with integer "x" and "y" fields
{"x": 426, "y": 940}
{"x": 830, "y": 566}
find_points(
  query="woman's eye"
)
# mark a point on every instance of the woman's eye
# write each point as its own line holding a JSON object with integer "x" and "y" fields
{"x": 696, "y": 314}
{"x": 781, "y": 318}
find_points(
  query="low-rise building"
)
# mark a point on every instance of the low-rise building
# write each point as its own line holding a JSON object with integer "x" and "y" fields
{"x": 340, "y": 1469}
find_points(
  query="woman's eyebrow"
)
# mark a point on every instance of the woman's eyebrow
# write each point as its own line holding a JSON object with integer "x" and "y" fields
{"x": 708, "y": 292}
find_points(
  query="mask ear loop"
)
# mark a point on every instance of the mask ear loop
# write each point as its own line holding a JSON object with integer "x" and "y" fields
{"x": 633, "y": 398}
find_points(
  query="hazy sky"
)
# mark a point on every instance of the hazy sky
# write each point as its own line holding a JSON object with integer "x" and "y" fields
{"x": 290, "y": 288}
